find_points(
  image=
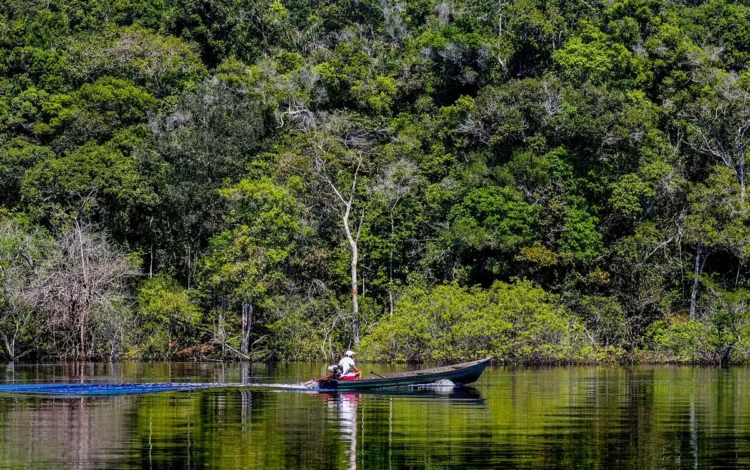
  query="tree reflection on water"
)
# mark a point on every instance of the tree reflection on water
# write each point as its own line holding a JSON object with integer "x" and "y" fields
{"x": 534, "y": 418}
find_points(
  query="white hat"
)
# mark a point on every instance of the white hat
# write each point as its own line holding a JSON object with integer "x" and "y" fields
{"x": 349, "y": 353}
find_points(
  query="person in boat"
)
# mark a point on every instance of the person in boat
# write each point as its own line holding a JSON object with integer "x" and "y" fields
{"x": 349, "y": 370}
{"x": 345, "y": 370}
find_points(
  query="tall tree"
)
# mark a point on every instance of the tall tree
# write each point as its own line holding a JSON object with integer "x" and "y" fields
{"x": 247, "y": 261}
{"x": 337, "y": 155}
{"x": 394, "y": 184}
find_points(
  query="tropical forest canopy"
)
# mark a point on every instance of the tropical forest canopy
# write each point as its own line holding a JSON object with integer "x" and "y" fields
{"x": 543, "y": 181}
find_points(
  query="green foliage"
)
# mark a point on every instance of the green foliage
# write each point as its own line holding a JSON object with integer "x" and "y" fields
{"x": 296, "y": 336}
{"x": 247, "y": 260}
{"x": 596, "y": 150}
{"x": 681, "y": 340}
{"x": 498, "y": 218}
{"x": 163, "y": 65}
{"x": 580, "y": 236}
{"x": 720, "y": 334}
{"x": 95, "y": 180}
{"x": 603, "y": 318}
{"x": 517, "y": 322}
{"x": 168, "y": 313}
{"x": 719, "y": 213}
{"x": 592, "y": 57}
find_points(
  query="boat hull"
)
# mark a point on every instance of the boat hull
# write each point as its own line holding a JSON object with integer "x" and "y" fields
{"x": 465, "y": 373}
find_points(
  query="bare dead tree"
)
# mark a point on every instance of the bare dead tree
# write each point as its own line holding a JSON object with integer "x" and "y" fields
{"x": 22, "y": 254}
{"x": 393, "y": 15}
{"x": 86, "y": 277}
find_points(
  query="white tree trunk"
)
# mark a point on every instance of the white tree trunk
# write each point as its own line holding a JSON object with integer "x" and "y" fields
{"x": 82, "y": 315}
{"x": 355, "y": 260}
{"x": 352, "y": 239}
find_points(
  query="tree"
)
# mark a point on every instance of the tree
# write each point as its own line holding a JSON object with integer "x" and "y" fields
{"x": 719, "y": 123}
{"x": 247, "y": 261}
{"x": 167, "y": 313}
{"x": 487, "y": 228}
{"x": 719, "y": 220}
{"x": 336, "y": 154}
{"x": 209, "y": 138}
{"x": 23, "y": 253}
{"x": 393, "y": 185}
{"x": 98, "y": 181}
{"x": 730, "y": 316}
{"x": 85, "y": 276}
{"x": 163, "y": 65}
{"x": 517, "y": 322}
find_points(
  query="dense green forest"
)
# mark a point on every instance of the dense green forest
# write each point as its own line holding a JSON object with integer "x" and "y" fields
{"x": 543, "y": 181}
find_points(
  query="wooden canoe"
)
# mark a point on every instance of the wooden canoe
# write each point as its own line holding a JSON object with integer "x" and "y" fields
{"x": 465, "y": 373}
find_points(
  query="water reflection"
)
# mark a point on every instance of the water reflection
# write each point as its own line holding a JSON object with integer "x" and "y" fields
{"x": 56, "y": 433}
{"x": 601, "y": 417}
{"x": 344, "y": 407}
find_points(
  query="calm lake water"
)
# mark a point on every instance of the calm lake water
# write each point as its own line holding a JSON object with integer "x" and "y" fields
{"x": 605, "y": 417}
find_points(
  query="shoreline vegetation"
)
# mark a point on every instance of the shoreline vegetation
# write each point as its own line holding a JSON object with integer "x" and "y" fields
{"x": 422, "y": 180}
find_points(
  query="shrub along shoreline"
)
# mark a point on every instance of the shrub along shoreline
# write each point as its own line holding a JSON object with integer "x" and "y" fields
{"x": 520, "y": 323}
